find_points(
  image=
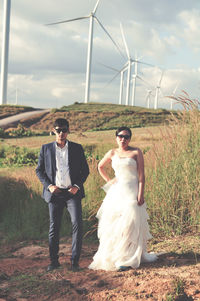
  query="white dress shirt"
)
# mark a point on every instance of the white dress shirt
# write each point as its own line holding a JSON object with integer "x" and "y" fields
{"x": 63, "y": 179}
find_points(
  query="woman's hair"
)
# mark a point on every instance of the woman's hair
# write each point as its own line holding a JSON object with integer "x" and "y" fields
{"x": 123, "y": 128}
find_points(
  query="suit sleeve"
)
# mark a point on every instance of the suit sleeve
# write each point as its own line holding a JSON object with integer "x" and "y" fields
{"x": 84, "y": 169}
{"x": 40, "y": 170}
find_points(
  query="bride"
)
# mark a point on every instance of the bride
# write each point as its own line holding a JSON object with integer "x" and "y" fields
{"x": 123, "y": 229}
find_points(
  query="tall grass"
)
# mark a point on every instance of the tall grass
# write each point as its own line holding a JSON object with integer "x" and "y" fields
{"x": 173, "y": 169}
{"x": 23, "y": 214}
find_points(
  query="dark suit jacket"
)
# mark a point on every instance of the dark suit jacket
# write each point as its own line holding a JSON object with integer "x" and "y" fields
{"x": 46, "y": 169}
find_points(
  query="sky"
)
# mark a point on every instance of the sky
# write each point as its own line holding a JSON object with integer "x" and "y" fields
{"x": 47, "y": 64}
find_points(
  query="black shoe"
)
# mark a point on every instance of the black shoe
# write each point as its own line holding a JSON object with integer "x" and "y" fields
{"x": 53, "y": 266}
{"x": 75, "y": 266}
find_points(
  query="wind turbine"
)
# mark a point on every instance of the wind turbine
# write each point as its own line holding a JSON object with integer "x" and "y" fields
{"x": 5, "y": 51}
{"x": 148, "y": 98}
{"x": 121, "y": 72}
{"x": 158, "y": 91}
{"x": 129, "y": 64}
{"x": 91, "y": 17}
{"x": 135, "y": 76}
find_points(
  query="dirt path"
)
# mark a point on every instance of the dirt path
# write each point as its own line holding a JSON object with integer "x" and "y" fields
{"x": 175, "y": 276}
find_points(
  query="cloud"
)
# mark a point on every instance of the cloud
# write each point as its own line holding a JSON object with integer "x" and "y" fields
{"x": 191, "y": 32}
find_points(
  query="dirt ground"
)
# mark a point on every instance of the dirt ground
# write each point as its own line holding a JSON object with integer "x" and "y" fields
{"x": 175, "y": 276}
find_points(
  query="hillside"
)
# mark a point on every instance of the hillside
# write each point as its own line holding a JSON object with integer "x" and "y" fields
{"x": 97, "y": 116}
{"x": 10, "y": 110}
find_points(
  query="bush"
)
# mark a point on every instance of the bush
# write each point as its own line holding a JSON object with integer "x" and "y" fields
{"x": 3, "y": 134}
{"x": 16, "y": 156}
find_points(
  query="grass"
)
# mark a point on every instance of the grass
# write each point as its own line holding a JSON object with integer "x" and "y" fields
{"x": 23, "y": 213}
{"x": 105, "y": 107}
{"x": 178, "y": 291}
{"x": 29, "y": 285}
{"x": 173, "y": 185}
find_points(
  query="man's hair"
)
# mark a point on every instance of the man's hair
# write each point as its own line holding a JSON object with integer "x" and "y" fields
{"x": 123, "y": 128}
{"x": 61, "y": 122}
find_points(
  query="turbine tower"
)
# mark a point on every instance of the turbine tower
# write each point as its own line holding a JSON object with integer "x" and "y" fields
{"x": 92, "y": 16}
{"x": 121, "y": 85}
{"x": 135, "y": 75}
{"x": 158, "y": 91}
{"x": 148, "y": 98}
{"x": 129, "y": 65}
{"x": 5, "y": 52}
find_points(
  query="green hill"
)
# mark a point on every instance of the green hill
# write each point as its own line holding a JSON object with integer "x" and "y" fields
{"x": 98, "y": 116}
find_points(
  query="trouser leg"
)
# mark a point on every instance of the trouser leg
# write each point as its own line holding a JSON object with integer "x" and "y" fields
{"x": 55, "y": 215}
{"x": 75, "y": 210}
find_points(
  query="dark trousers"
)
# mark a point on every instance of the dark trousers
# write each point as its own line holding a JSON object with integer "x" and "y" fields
{"x": 56, "y": 206}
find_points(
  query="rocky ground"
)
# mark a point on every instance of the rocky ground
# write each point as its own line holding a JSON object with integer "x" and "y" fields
{"x": 175, "y": 276}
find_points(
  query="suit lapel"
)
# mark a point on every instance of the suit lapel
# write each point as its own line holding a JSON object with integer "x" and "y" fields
{"x": 70, "y": 156}
{"x": 53, "y": 158}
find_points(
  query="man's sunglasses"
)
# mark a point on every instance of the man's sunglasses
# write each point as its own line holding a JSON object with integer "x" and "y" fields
{"x": 124, "y": 136}
{"x": 59, "y": 130}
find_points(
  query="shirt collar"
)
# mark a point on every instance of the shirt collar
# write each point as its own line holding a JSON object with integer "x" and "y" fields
{"x": 64, "y": 148}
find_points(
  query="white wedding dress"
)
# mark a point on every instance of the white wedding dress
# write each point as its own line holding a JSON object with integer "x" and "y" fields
{"x": 123, "y": 229}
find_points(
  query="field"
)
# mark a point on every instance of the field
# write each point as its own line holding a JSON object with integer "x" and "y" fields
{"x": 172, "y": 163}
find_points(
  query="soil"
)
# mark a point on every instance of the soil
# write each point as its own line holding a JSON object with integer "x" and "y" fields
{"x": 175, "y": 276}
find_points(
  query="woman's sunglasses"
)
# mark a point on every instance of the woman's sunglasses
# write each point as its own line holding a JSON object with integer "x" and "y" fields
{"x": 59, "y": 130}
{"x": 124, "y": 136}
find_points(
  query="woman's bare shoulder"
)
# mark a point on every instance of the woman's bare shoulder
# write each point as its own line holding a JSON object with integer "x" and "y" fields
{"x": 135, "y": 149}
{"x": 110, "y": 153}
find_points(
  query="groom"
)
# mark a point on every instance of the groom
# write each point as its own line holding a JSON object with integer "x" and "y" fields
{"x": 62, "y": 169}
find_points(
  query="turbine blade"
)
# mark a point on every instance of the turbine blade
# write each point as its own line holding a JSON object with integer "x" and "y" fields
{"x": 125, "y": 66}
{"x": 140, "y": 62}
{"x": 161, "y": 78}
{"x": 124, "y": 40}
{"x": 146, "y": 84}
{"x": 111, "y": 68}
{"x": 174, "y": 91}
{"x": 95, "y": 8}
{"x": 109, "y": 36}
{"x": 65, "y": 21}
{"x": 110, "y": 81}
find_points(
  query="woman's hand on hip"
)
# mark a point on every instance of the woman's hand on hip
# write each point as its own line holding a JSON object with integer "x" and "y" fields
{"x": 140, "y": 201}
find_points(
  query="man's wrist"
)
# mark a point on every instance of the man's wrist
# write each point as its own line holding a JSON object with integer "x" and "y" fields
{"x": 76, "y": 186}
{"x": 49, "y": 186}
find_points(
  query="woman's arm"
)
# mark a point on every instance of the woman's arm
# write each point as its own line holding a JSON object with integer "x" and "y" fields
{"x": 106, "y": 159}
{"x": 141, "y": 177}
